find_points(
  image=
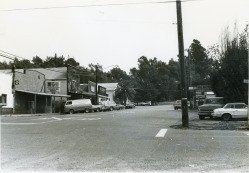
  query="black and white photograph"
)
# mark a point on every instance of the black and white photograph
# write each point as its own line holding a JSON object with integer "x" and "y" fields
{"x": 124, "y": 86}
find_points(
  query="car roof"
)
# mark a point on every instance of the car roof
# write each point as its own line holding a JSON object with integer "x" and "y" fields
{"x": 236, "y": 103}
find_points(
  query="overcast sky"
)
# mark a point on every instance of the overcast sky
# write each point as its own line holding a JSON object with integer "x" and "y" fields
{"x": 93, "y": 32}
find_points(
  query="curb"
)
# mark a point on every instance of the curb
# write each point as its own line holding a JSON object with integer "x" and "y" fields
{"x": 29, "y": 115}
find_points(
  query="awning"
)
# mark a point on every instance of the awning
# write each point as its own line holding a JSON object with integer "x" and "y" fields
{"x": 44, "y": 94}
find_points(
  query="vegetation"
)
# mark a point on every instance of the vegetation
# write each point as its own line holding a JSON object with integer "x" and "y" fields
{"x": 231, "y": 68}
{"x": 223, "y": 66}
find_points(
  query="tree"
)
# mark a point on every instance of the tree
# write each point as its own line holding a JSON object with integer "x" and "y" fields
{"x": 199, "y": 64}
{"x": 55, "y": 61}
{"x": 227, "y": 79}
{"x": 154, "y": 80}
{"x": 4, "y": 65}
{"x": 37, "y": 62}
{"x": 72, "y": 62}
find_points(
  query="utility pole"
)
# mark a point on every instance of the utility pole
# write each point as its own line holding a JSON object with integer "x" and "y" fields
{"x": 96, "y": 85}
{"x": 185, "y": 119}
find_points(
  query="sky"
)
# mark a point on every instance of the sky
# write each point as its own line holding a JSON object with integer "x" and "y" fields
{"x": 98, "y": 31}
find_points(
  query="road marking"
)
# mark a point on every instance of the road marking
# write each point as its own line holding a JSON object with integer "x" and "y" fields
{"x": 56, "y": 118}
{"x": 161, "y": 133}
{"x": 90, "y": 119}
{"x": 28, "y": 123}
{"x": 246, "y": 133}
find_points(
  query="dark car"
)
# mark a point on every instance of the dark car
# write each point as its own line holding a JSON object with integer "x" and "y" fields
{"x": 209, "y": 105}
{"x": 118, "y": 107}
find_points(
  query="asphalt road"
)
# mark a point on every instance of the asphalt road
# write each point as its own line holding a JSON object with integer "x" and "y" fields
{"x": 133, "y": 140}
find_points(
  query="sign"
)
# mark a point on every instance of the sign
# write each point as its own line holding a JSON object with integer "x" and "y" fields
{"x": 245, "y": 81}
{"x": 16, "y": 82}
{"x": 101, "y": 90}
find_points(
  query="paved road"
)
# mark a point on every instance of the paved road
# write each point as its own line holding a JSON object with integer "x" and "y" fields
{"x": 134, "y": 140}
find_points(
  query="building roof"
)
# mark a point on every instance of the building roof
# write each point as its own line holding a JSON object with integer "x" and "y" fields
{"x": 53, "y": 73}
{"x": 109, "y": 86}
{"x": 50, "y": 73}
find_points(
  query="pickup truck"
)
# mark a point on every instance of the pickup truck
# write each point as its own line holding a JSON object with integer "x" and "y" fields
{"x": 209, "y": 105}
{"x": 178, "y": 104}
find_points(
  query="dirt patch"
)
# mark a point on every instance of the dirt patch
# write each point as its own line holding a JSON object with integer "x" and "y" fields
{"x": 213, "y": 124}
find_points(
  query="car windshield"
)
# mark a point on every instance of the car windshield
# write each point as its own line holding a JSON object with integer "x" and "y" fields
{"x": 229, "y": 106}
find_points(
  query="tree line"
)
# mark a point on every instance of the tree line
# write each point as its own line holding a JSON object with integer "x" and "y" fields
{"x": 223, "y": 66}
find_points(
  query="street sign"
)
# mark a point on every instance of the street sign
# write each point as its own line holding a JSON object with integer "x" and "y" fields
{"x": 245, "y": 81}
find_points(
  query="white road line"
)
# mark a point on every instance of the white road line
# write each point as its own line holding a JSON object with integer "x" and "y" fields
{"x": 161, "y": 133}
{"x": 28, "y": 123}
{"x": 56, "y": 118}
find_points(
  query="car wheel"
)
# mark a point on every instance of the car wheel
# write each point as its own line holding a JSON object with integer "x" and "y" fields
{"x": 201, "y": 117}
{"x": 111, "y": 108}
{"x": 98, "y": 110}
{"x": 87, "y": 110}
{"x": 226, "y": 117}
{"x": 71, "y": 111}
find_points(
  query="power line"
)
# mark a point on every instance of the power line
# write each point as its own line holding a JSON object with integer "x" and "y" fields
{"x": 13, "y": 55}
{"x": 85, "y": 6}
{"x": 18, "y": 57}
{"x": 5, "y": 56}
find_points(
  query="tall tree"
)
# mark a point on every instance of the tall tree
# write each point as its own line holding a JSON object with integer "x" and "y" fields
{"x": 55, "y": 61}
{"x": 199, "y": 64}
{"x": 37, "y": 62}
{"x": 227, "y": 79}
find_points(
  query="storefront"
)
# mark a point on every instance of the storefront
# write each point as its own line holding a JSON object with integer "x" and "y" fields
{"x": 27, "y": 102}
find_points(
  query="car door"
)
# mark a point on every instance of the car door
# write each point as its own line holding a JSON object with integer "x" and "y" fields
{"x": 240, "y": 111}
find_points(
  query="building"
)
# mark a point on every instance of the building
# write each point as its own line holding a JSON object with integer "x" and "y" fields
{"x": 110, "y": 89}
{"x": 43, "y": 90}
{"x": 6, "y": 96}
{"x": 29, "y": 92}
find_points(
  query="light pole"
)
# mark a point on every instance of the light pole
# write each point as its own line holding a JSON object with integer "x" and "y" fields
{"x": 185, "y": 119}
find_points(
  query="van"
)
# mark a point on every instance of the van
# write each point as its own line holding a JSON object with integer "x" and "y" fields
{"x": 79, "y": 105}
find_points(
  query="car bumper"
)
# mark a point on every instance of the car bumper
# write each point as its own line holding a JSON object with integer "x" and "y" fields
{"x": 205, "y": 113}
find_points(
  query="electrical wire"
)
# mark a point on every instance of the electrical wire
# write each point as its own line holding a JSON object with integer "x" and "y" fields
{"x": 95, "y": 5}
{"x": 18, "y": 57}
{"x": 13, "y": 55}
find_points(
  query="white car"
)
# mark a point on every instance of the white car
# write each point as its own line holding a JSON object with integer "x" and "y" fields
{"x": 231, "y": 110}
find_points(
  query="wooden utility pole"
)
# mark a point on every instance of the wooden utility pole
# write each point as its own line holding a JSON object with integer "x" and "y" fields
{"x": 185, "y": 119}
{"x": 96, "y": 85}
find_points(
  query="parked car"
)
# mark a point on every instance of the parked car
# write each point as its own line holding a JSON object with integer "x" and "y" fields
{"x": 72, "y": 106}
{"x": 97, "y": 108}
{"x": 108, "y": 105}
{"x": 232, "y": 110}
{"x": 119, "y": 107}
{"x": 129, "y": 106}
{"x": 178, "y": 104}
{"x": 209, "y": 105}
{"x": 143, "y": 104}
